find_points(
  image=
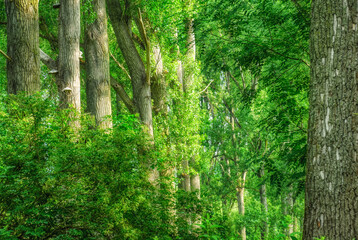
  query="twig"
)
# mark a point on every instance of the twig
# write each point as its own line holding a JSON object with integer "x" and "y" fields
{"x": 206, "y": 87}
{"x": 3, "y": 53}
{"x": 121, "y": 66}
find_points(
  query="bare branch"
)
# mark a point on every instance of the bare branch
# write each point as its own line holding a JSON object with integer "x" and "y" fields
{"x": 48, "y": 61}
{"x": 120, "y": 66}
{"x": 5, "y": 55}
{"x": 123, "y": 95}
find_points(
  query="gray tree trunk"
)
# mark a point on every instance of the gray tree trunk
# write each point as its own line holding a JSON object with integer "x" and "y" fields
{"x": 23, "y": 70}
{"x": 141, "y": 88}
{"x": 331, "y": 207}
{"x": 98, "y": 85}
{"x": 69, "y": 54}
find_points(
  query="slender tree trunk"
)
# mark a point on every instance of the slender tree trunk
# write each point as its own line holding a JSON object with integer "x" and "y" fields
{"x": 331, "y": 207}
{"x": 69, "y": 55}
{"x": 240, "y": 189}
{"x": 23, "y": 70}
{"x": 264, "y": 207}
{"x": 240, "y": 193}
{"x": 98, "y": 86}
{"x": 140, "y": 85}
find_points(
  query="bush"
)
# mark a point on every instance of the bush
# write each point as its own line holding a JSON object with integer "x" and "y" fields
{"x": 56, "y": 183}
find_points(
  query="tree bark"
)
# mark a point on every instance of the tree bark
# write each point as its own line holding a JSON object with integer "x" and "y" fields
{"x": 331, "y": 207}
{"x": 98, "y": 86}
{"x": 69, "y": 54}
{"x": 158, "y": 85}
{"x": 140, "y": 85}
{"x": 23, "y": 70}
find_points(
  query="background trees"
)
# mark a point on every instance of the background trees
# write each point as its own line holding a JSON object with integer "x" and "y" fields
{"x": 234, "y": 110}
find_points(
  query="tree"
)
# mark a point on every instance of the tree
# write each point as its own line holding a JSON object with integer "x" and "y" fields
{"x": 121, "y": 22}
{"x": 98, "y": 86}
{"x": 69, "y": 54}
{"x": 23, "y": 65}
{"x": 331, "y": 183}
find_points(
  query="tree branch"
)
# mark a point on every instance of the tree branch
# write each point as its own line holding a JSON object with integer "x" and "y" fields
{"x": 123, "y": 95}
{"x": 48, "y": 61}
{"x": 120, "y": 66}
{"x": 5, "y": 55}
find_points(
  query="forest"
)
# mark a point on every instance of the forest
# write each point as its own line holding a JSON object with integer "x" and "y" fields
{"x": 179, "y": 119}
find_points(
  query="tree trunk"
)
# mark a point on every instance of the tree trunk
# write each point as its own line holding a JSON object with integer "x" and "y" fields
{"x": 240, "y": 193}
{"x": 331, "y": 207}
{"x": 264, "y": 207}
{"x": 23, "y": 70}
{"x": 69, "y": 54}
{"x": 158, "y": 85}
{"x": 98, "y": 86}
{"x": 140, "y": 85}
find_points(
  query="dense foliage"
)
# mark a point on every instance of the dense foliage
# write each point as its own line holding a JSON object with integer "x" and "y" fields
{"x": 241, "y": 124}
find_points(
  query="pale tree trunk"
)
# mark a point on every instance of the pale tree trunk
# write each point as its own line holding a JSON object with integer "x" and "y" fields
{"x": 240, "y": 194}
{"x": 69, "y": 55}
{"x": 140, "y": 85}
{"x": 187, "y": 81}
{"x": 23, "y": 67}
{"x": 264, "y": 207}
{"x": 98, "y": 86}
{"x": 331, "y": 207}
{"x": 158, "y": 85}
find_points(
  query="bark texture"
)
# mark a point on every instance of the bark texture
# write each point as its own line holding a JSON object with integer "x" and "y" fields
{"x": 98, "y": 85}
{"x": 23, "y": 70}
{"x": 69, "y": 54}
{"x": 158, "y": 85}
{"x": 140, "y": 85}
{"x": 331, "y": 205}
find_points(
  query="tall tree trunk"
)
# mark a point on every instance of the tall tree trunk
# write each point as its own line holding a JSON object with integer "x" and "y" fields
{"x": 23, "y": 70}
{"x": 98, "y": 86}
{"x": 69, "y": 54}
{"x": 264, "y": 207}
{"x": 140, "y": 85}
{"x": 331, "y": 207}
{"x": 240, "y": 193}
{"x": 240, "y": 189}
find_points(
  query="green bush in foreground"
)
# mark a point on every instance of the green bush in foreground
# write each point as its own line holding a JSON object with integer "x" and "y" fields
{"x": 60, "y": 184}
